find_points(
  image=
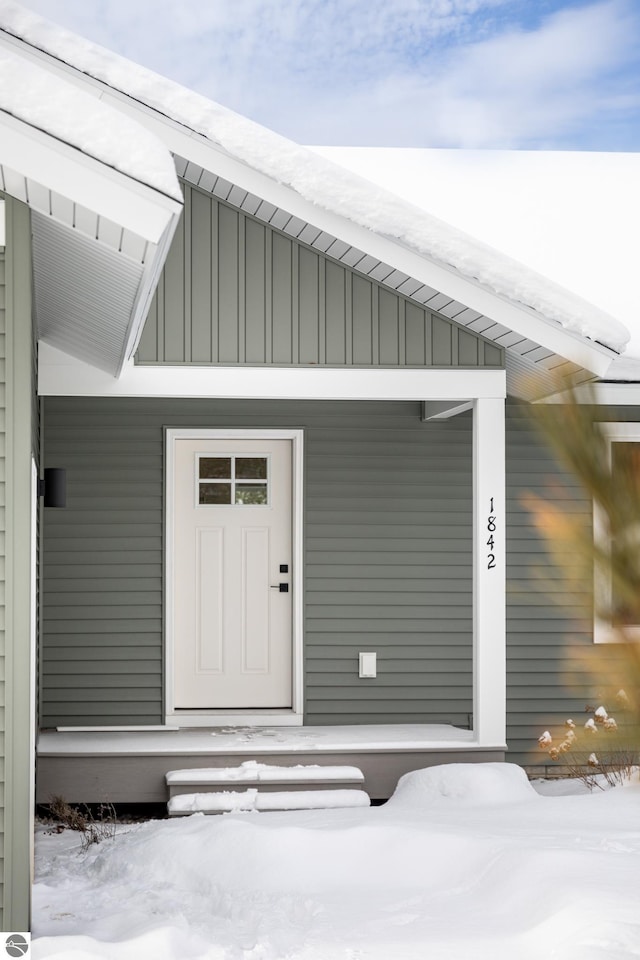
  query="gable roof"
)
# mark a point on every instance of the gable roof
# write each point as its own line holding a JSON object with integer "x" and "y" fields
{"x": 541, "y": 325}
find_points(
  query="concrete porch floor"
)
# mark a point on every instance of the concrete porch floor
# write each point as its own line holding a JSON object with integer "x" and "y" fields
{"x": 129, "y": 766}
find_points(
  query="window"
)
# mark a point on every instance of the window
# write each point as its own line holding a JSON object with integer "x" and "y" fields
{"x": 624, "y": 459}
{"x": 232, "y": 480}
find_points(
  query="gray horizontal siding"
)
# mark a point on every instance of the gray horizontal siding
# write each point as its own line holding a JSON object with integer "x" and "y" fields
{"x": 387, "y": 558}
{"x": 236, "y": 291}
{"x": 548, "y": 634}
{"x": 387, "y": 565}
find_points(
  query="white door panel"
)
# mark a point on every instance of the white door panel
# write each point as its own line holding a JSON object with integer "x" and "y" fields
{"x": 232, "y": 625}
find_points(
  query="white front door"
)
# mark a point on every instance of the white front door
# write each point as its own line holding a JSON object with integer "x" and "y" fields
{"x": 231, "y": 538}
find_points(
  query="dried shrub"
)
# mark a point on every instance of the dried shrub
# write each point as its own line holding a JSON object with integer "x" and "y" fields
{"x": 94, "y": 827}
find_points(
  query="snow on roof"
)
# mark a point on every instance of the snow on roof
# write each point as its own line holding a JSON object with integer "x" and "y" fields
{"x": 320, "y": 182}
{"x": 47, "y": 102}
{"x": 566, "y": 214}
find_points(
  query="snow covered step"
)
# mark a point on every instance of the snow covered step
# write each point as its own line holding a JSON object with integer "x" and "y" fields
{"x": 230, "y": 801}
{"x": 263, "y": 776}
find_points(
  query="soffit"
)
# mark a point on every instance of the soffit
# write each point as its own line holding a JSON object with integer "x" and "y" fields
{"x": 84, "y": 293}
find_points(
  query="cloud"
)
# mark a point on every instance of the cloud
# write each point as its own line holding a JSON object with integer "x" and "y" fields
{"x": 527, "y": 86}
{"x": 559, "y": 83}
{"x": 391, "y": 72}
{"x": 257, "y": 48}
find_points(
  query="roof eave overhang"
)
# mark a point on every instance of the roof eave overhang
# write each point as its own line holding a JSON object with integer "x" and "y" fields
{"x": 70, "y": 172}
{"x": 70, "y": 187}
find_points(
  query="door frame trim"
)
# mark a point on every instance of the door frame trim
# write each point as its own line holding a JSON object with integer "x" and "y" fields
{"x": 215, "y": 718}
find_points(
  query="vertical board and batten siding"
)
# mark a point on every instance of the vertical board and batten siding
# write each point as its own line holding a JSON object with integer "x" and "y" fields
{"x": 235, "y": 291}
{"x": 387, "y": 546}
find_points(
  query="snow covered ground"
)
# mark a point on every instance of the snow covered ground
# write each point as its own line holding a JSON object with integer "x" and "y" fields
{"x": 465, "y": 862}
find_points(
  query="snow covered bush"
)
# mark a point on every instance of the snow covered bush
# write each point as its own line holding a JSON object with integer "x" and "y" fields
{"x": 602, "y": 752}
{"x": 478, "y": 784}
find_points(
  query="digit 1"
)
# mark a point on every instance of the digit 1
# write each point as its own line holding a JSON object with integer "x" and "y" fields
{"x": 491, "y": 507}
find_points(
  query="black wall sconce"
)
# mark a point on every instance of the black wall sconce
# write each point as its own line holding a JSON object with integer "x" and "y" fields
{"x": 53, "y": 487}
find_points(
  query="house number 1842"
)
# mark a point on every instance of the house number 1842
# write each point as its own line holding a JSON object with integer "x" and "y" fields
{"x": 491, "y": 528}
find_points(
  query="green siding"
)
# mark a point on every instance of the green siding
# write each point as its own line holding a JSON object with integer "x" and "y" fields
{"x": 3, "y": 561}
{"x": 17, "y": 436}
{"x": 235, "y": 291}
{"x": 387, "y": 558}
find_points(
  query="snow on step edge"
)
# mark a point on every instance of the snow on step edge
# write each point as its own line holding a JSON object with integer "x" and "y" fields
{"x": 254, "y": 771}
{"x": 236, "y": 802}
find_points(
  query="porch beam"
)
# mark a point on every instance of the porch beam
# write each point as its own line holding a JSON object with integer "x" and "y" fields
{"x": 62, "y": 375}
{"x": 489, "y": 573}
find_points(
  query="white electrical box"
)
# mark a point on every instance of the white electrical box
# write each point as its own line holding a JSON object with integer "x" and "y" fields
{"x": 368, "y": 666}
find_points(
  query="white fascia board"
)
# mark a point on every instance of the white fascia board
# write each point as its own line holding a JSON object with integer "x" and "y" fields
{"x": 153, "y": 266}
{"x": 517, "y": 317}
{"x": 604, "y": 394}
{"x": 81, "y": 178}
{"x": 62, "y": 375}
{"x": 618, "y": 394}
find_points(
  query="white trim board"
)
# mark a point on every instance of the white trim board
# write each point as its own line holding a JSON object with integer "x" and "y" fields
{"x": 489, "y": 573}
{"x": 618, "y": 394}
{"x": 208, "y": 718}
{"x": 60, "y": 375}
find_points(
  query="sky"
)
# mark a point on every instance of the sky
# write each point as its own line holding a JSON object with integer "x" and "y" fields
{"x": 508, "y": 74}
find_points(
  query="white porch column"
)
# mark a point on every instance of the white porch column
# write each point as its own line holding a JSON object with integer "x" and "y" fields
{"x": 489, "y": 573}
